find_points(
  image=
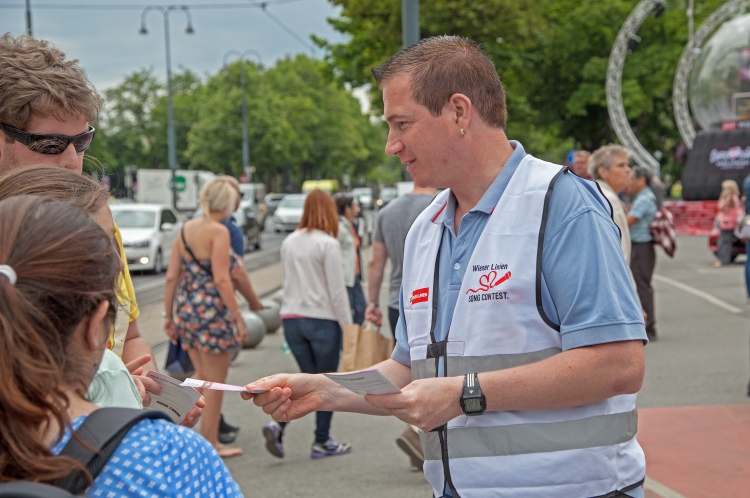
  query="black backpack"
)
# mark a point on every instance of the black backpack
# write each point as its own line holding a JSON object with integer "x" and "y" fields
{"x": 102, "y": 431}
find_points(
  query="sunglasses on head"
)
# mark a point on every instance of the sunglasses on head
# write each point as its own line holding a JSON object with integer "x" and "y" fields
{"x": 49, "y": 144}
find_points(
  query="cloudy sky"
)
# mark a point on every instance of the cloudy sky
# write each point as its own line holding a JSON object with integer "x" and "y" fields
{"x": 108, "y": 44}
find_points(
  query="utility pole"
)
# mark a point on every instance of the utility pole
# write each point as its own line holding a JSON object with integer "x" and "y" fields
{"x": 409, "y": 22}
{"x": 29, "y": 30}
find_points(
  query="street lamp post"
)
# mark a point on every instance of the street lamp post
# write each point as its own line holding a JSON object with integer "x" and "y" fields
{"x": 171, "y": 145}
{"x": 245, "y": 142}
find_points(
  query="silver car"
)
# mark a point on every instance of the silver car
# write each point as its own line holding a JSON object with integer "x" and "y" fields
{"x": 289, "y": 212}
{"x": 148, "y": 232}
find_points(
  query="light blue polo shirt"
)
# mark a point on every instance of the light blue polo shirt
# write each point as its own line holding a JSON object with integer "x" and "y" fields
{"x": 644, "y": 208}
{"x": 586, "y": 286}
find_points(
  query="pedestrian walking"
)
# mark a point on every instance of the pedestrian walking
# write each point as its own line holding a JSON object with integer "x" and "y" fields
{"x": 608, "y": 166}
{"x": 391, "y": 227}
{"x": 348, "y": 211}
{"x": 199, "y": 303}
{"x": 59, "y": 278}
{"x": 314, "y": 310}
{"x": 643, "y": 259}
{"x": 730, "y": 209}
{"x": 520, "y": 349}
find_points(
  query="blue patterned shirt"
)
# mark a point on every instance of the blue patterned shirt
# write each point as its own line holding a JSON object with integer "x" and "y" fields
{"x": 157, "y": 459}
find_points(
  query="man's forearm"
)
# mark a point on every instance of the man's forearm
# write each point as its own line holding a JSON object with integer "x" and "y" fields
{"x": 245, "y": 288}
{"x": 135, "y": 347}
{"x": 572, "y": 378}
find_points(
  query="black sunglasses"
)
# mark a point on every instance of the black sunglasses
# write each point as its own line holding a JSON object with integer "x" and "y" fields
{"x": 49, "y": 144}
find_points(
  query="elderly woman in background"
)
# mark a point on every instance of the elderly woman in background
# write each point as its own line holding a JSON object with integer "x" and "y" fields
{"x": 730, "y": 208}
{"x": 314, "y": 310}
{"x": 203, "y": 311}
{"x": 349, "y": 240}
{"x": 608, "y": 166}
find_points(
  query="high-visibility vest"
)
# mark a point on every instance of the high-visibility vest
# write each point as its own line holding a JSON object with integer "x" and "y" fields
{"x": 498, "y": 323}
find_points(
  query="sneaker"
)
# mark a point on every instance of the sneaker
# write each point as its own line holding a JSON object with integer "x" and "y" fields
{"x": 225, "y": 426}
{"x": 409, "y": 443}
{"x": 227, "y": 437}
{"x": 330, "y": 448}
{"x": 272, "y": 432}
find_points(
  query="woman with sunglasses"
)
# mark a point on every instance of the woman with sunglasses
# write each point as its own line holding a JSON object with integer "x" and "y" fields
{"x": 58, "y": 275}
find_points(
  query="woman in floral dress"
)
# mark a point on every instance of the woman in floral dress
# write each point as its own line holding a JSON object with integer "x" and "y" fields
{"x": 200, "y": 306}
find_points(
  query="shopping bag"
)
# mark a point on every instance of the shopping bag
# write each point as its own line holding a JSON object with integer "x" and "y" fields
{"x": 178, "y": 364}
{"x": 364, "y": 347}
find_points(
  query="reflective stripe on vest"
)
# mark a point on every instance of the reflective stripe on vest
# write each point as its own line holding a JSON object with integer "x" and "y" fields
{"x": 469, "y": 442}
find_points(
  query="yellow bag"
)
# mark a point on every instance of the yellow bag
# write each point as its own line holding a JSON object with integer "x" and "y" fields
{"x": 364, "y": 347}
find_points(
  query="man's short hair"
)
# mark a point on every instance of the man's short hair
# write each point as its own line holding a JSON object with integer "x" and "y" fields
{"x": 35, "y": 79}
{"x": 641, "y": 172}
{"x": 444, "y": 65}
{"x": 603, "y": 157}
{"x": 582, "y": 154}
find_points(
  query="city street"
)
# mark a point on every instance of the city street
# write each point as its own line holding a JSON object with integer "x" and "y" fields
{"x": 701, "y": 358}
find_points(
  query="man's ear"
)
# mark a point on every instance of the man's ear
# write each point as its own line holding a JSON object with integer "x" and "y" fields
{"x": 461, "y": 110}
{"x": 95, "y": 337}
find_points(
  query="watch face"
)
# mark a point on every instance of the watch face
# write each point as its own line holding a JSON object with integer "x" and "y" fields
{"x": 473, "y": 405}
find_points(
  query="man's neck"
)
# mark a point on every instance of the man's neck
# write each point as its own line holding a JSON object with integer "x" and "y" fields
{"x": 494, "y": 150}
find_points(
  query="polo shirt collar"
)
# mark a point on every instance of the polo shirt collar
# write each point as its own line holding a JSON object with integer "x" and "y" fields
{"x": 492, "y": 196}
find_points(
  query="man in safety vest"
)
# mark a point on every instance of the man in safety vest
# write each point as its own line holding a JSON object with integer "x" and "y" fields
{"x": 520, "y": 344}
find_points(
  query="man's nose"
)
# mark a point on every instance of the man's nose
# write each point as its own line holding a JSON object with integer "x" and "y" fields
{"x": 393, "y": 146}
{"x": 70, "y": 159}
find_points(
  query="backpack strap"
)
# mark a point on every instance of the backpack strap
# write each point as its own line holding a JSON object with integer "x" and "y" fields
{"x": 190, "y": 252}
{"x": 99, "y": 435}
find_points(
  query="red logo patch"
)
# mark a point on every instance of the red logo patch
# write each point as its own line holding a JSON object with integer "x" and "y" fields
{"x": 419, "y": 296}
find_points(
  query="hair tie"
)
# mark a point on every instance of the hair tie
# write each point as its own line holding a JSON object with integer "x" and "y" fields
{"x": 10, "y": 273}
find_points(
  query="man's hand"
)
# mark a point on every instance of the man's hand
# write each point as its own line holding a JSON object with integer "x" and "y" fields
{"x": 291, "y": 396}
{"x": 194, "y": 414}
{"x": 426, "y": 403}
{"x": 374, "y": 315}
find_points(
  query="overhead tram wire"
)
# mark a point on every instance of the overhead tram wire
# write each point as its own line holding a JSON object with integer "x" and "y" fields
{"x": 204, "y": 6}
{"x": 283, "y": 26}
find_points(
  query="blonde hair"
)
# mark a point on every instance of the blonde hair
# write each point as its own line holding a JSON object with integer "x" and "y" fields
{"x": 218, "y": 195}
{"x": 35, "y": 79}
{"x": 729, "y": 188}
{"x": 603, "y": 157}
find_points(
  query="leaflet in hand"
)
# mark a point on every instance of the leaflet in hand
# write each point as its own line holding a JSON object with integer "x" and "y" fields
{"x": 215, "y": 386}
{"x": 174, "y": 400}
{"x": 371, "y": 381}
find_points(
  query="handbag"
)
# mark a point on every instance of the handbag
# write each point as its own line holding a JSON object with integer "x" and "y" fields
{"x": 742, "y": 230}
{"x": 364, "y": 346}
{"x": 178, "y": 364}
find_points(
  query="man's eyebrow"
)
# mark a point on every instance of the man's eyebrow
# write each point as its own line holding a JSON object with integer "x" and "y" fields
{"x": 396, "y": 116}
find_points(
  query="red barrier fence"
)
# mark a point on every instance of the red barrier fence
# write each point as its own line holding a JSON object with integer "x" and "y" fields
{"x": 692, "y": 217}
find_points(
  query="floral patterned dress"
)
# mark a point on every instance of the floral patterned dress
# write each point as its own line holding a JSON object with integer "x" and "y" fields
{"x": 203, "y": 320}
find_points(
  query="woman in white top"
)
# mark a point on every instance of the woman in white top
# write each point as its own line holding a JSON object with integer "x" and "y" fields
{"x": 314, "y": 309}
{"x": 349, "y": 239}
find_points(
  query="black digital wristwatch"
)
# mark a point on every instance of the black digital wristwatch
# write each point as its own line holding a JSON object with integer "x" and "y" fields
{"x": 473, "y": 401}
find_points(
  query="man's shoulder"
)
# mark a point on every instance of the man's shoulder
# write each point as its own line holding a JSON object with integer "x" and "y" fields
{"x": 571, "y": 197}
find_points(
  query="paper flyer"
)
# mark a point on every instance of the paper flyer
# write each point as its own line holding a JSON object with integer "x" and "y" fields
{"x": 175, "y": 400}
{"x": 371, "y": 381}
{"x": 216, "y": 386}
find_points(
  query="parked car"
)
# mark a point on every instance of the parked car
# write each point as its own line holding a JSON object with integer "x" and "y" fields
{"x": 148, "y": 232}
{"x": 738, "y": 246}
{"x": 387, "y": 194}
{"x": 363, "y": 195}
{"x": 272, "y": 202}
{"x": 289, "y": 212}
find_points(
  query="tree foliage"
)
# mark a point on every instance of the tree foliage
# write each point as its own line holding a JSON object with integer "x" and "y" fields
{"x": 297, "y": 118}
{"x": 551, "y": 55}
